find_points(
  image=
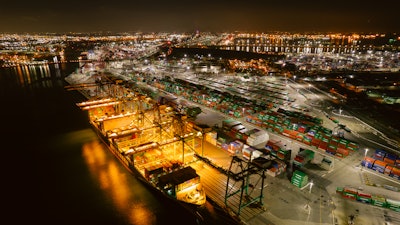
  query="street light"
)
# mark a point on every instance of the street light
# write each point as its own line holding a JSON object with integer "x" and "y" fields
{"x": 311, "y": 184}
{"x": 366, "y": 151}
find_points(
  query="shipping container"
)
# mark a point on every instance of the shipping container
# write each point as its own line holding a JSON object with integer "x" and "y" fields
{"x": 379, "y": 166}
{"x": 397, "y": 163}
{"x": 341, "y": 152}
{"x": 388, "y": 169}
{"x": 391, "y": 156}
{"x": 378, "y": 200}
{"x": 350, "y": 193}
{"x": 353, "y": 146}
{"x": 368, "y": 162}
{"x": 258, "y": 138}
{"x": 299, "y": 179}
{"x": 323, "y": 146}
{"x": 393, "y": 204}
{"x": 379, "y": 154}
{"x": 284, "y": 154}
{"x": 389, "y": 161}
{"x": 364, "y": 197}
{"x": 250, "y": 153}
{"x": 235, "y": 147}
{"x": 303, "y": 157}
{"x": 395, "y": 173}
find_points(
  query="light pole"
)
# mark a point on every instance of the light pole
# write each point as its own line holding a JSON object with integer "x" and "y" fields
{"x": 201, "y": 135}
{"x": 311, "y": 184}
{"x": 365, "y": 154}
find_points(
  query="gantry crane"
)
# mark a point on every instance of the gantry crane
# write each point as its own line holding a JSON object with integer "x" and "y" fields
{"x": 247, "y": 178}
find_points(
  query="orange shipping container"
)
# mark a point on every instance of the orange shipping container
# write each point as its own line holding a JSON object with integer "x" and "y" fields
{"x": 350, "y": 190}
{"x": 396, "y": 171}
{"x": 388, "y": 169}
{"x": 390, "y": 161}
{"x": 342, "y": 151}
{"x": 380, "y": 163}
{"x": 369, "y": 159}
{"x": 286, "y": 132}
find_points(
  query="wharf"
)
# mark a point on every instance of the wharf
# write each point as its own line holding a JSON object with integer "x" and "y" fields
{"x": 283, "y": 203}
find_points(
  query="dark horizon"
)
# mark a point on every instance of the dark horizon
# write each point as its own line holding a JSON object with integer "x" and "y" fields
{"x": 206, "y": 16}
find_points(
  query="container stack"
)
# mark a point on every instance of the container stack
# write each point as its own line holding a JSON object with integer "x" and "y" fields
{"x": 393, "y": 204}
{"x": 372, "y": 199}
{"x": 364, "y": 197}
{"x": 235, "y": 147}
{"x": 299, "y": 179}
{"x": 378, "y": 200}
{"x": 379, "y": 166}
{"x": 379, "y": 154}
{"x": 350, "y": 193}
{"x": 303, "y": 157}
{"x": 368, "y": 162}
{"x": 395, "y": 173}
{"x": 250, "y": 153}
{"x": 277, "y": 167}
{"x": 272, "y": 147}
{"x": 382, "y": 166}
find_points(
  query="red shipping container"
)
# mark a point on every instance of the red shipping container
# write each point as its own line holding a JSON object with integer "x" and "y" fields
{"x": 315, "y": 142}
{"x": 332, "y": 142}
{"x": 361, "y": 194}
{"x": 301, "y": 129}
{"x": 342, "y": 151}
{"x": 340, "y": 145}
{"x": 323, "y": 145}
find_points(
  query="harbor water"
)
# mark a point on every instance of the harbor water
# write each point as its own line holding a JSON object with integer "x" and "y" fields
{"x": 55, "y": 169}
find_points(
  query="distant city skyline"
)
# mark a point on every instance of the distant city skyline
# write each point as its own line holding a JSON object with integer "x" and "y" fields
{"x": 186, "y": 16}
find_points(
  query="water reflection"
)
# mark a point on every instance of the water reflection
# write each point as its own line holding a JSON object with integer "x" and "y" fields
{"x": 38, "y": 75}
{"x": 114, "y": 181}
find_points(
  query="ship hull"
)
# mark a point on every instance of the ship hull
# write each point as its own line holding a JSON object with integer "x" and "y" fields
{"x": 191, "y": 208}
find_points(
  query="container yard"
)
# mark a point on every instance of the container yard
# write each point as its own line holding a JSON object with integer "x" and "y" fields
{"x": 256, "y": 115}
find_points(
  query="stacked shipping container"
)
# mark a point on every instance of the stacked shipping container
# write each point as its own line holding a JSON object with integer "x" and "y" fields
{"x": 383, "y": 162}
{"x": 299, "y": 179}
{"x": 376, "y": 200}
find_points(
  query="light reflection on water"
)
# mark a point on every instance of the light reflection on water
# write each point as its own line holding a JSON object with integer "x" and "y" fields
{"x": 42, "y": 75}
{"x": 113, "y": 180}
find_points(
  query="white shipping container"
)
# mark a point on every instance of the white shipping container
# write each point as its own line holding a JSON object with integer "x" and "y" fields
{"x": 258, "y": 138}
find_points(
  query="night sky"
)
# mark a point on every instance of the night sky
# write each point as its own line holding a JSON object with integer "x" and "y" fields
{"x": 202, "y": 15}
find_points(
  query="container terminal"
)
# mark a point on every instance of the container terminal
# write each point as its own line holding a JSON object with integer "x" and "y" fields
{"x": 262, "y": 150}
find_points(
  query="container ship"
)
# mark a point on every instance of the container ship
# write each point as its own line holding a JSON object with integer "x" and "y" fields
{"x": 151, "y": 140}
